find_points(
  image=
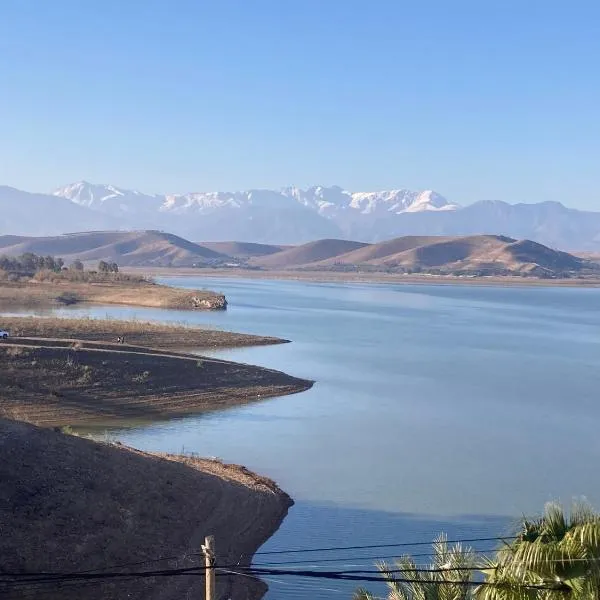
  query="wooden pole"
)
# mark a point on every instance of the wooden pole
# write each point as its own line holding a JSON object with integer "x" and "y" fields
{"x": 209, "y": 563}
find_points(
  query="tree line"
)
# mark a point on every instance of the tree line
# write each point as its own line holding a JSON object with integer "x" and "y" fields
{"x": 31, "y": 263}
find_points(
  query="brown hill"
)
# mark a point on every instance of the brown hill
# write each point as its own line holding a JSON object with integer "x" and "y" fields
{"x": 242, "y": 249}
{"x": 371, "y": 252}
{"x": 305, "y": 254}
{"x": 127, "y": 248}
{"x": 447, "y": 251}
{"x": 478, "y": 254}
{"x": 74, "y": 505}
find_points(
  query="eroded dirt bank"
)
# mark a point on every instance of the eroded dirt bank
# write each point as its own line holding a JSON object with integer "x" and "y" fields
{"x": 71, "y": 504}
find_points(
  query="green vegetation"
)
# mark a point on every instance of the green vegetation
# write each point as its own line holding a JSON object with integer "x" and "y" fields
{"x": 30, "y": 263}
{"x": 555, "y": 556}
{"x": 105, "y": 267}
{"x": 53, "y": 270}
{"x": 442, "y": 580}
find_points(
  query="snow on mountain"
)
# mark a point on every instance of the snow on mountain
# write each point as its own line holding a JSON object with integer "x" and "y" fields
{"x": 299, "y": 214}
{"x": 292, "y": 215}
{"x": 210, "y": 201}
{"x": 109, "y": 199}
{"x": 328, "y": 201}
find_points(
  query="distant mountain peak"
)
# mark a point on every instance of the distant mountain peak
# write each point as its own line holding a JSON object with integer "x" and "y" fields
{"x": 292, "y": 215}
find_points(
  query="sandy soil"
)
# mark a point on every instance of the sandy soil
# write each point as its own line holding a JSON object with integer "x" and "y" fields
{"x": 70, "y": 504}
{"x": 55, "y": 382}
{"x": 334, "y": 276}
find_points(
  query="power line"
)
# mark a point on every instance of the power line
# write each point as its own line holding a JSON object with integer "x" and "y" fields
{"x": 316, "y": 561}
{"x": 396, "y": 545}
{"x": 364, "y": 575}
{"x": 291, "y": 551}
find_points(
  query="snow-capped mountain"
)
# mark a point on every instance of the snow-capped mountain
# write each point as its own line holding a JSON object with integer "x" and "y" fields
{"x": 289, "y": 215}
{"x": 110, "y": 199}
{"x": 327, "y": 201}
{"x": 292, "y": 215}
{"x": 330, "y": 201}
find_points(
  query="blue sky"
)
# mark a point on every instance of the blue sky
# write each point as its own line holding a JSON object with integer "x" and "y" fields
{"x": 477, "y": 99}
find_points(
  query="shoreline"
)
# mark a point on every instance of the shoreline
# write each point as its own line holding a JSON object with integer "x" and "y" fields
{"x": 103, "y": 504}
{"x": 87, "y": 384}
{"x": 45, "y": 294}
{"x": 346, "y": 277}
{"x": 148, "y": 334}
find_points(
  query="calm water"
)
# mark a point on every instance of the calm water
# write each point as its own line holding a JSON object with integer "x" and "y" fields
{"x": 436, "y": 408}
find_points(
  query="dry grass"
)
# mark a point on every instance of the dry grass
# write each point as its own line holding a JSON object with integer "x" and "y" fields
{"x": 75, "y": 276}
{"x": 70, "y": 504}
{"x": 48, "y": 294}
{"x": 137, "y": 333}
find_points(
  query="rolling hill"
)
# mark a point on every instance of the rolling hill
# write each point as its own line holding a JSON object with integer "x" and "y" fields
{"x": 305, "y": 254}
{"x": 475, "y": 255}
{"x": 458, "y": 255}
{"x": 135, "y": 248}
{"x": 242, "y": 249}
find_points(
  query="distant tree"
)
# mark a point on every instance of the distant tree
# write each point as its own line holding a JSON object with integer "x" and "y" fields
{"x": 114, "y": 267}
{"x": 29, "y": 261}
{"x": 103, "y": 267}
{"x": 47, "y": 262}
{"x": 60, "y": 263}
{"x": 77, "y": 265}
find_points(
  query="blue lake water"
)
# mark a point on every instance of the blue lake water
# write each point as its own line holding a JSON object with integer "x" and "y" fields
{"x": 451, "y": 408}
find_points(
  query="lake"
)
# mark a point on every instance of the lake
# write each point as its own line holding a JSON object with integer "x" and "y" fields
{"x": 436, "y": 408}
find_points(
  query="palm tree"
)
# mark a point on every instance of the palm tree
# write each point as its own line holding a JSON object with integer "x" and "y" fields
{"x": 553, "y": 558}
{"x": 449, "y": 577}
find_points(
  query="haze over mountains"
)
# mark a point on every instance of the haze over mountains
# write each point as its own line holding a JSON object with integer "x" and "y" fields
{"x": 467, "y": 255}
{"x": 292, "y": 215}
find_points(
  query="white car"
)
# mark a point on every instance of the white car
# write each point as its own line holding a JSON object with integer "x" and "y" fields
{"x": 4, "y": 334}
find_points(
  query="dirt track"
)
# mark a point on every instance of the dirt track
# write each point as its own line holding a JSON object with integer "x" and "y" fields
{"x": 137, "y": 333}
{"x": 58, "y": 382}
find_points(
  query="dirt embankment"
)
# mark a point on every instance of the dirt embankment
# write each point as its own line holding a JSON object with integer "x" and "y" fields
{"x": 55, "y": 382}
{"x": 137, "y": 333}
{"x": 70, "y": 504}
{"x": 148, "y": 294}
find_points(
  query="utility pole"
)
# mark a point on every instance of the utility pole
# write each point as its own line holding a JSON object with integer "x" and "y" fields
{"x": 209, "y": 562}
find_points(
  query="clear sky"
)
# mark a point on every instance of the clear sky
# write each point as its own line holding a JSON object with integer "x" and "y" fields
{"x": 477, "y": 99}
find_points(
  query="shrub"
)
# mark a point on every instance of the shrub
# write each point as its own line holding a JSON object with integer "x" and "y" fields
{"x": 142, "y": 377}
{"x": 68, "y": 298}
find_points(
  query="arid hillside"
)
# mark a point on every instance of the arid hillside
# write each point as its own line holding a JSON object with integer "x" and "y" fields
{"x": 468, "y": 255}
{"x": 305, "y": 254}
{"x": 473, "y": 255}
{"x": 242, "y": 249}
{"x": 71, "y": 505}
{"x": 127, "y": 248}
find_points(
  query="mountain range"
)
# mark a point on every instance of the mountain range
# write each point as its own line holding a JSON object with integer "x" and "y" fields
{"x": 292, "y": 215}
